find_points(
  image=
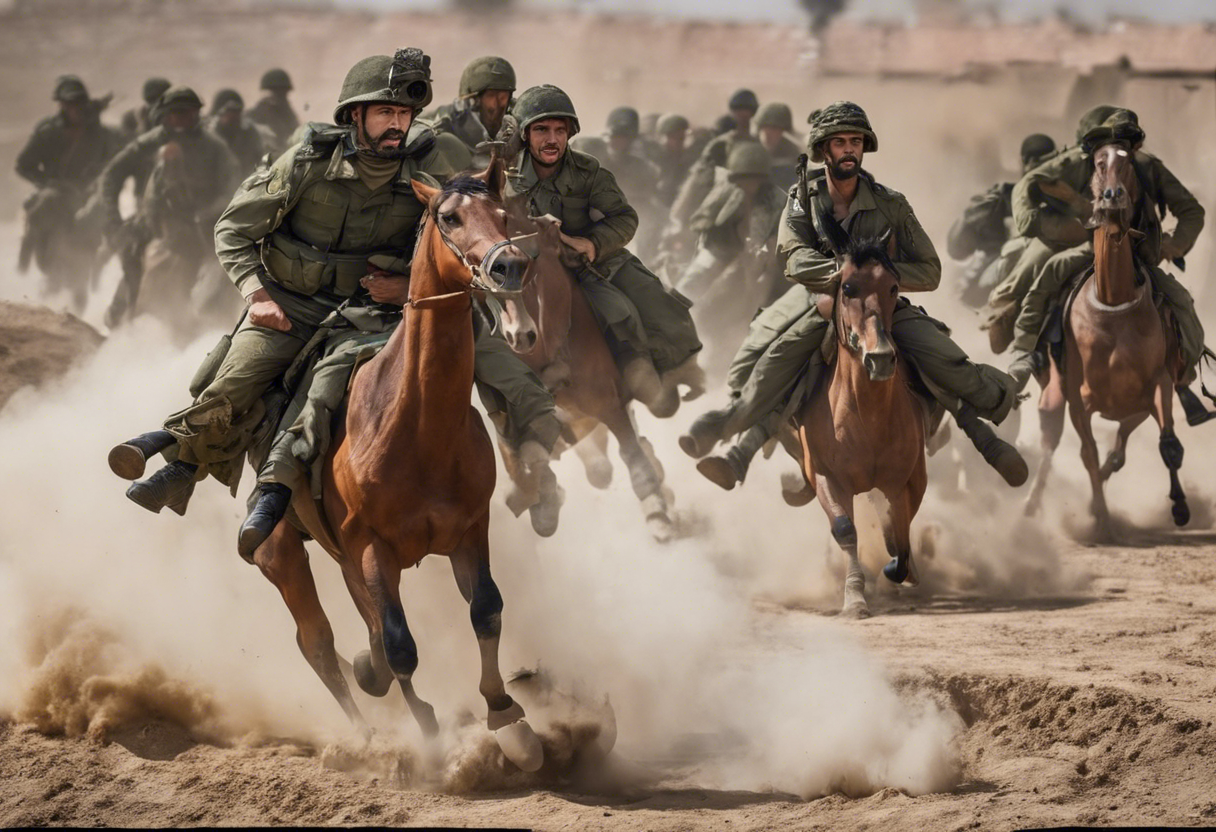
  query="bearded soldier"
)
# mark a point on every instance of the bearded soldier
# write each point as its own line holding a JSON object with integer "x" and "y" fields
{"x": 318, "y": 245}
{"x": 649, "y": 330}
{"x": 1068, "y": 177}
{"x": 480, "y": 113}
{"x": 785, "y": 339}
{"x": 273, "y": 109}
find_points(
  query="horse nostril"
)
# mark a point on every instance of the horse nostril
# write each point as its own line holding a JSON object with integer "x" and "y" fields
{"x": 1108, "y": 194}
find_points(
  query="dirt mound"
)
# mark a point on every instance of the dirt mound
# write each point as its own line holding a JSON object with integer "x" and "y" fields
{"x": 38, "y": 344}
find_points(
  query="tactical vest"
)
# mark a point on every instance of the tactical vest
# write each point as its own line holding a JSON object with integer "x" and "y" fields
{"x": 332, "y": 224}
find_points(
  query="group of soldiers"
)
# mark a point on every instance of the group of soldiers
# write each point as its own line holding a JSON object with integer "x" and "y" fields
{"x": 183, "y": 168}
{"x": 318, "y": 241}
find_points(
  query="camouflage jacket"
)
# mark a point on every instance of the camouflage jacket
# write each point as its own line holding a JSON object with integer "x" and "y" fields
{"x": 1036, "y": 214}
{"x": 984, "y": 225}
{"x": 584, "y": 196}
{"x": 59, "y": 156}
{"x": 810, "y": 258}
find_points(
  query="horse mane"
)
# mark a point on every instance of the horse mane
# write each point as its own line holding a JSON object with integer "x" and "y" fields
{"x": 870, "y": 250}
{"x": 464, "y": 184}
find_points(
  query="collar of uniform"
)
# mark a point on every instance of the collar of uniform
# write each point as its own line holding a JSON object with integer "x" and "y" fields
{"x": 863, "y": 200}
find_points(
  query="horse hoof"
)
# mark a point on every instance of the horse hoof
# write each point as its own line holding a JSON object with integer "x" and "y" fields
{"x": 718, "y": 471}
{"x": 664, "y": 405}
{"x": 913, "y": 577}
{"x": 544, "y": 519}
{"x": 661, "y": 528}
{"x": 424, "y": 715}
{"x": 795, "y": 490}
{"x": 1182, "y": 514}
{"x": 895, "y": 571}
{"x": 855, "y": 611}
{"x": 520, "y": 745}
{"x": 599, "y": 473}
{"x": 365, "y": 675}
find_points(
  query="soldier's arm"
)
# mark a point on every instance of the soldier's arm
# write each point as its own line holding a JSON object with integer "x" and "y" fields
{"x": 697, "y": 185}
{"x": 227, "y": 180}
{"x": 1183, "y": 205}
{"x": 801, "y": 252}
{"x": 982, "y": 225}
{"x": 920, "y": 269}
{"x": 30, "y": 161}
{"x": 123, "y": 165}
{"x": 1034, "y": 215}
{"x": 620, "y": 221}
{"x": 703, "y": 218}
{"x": 256, "y": 210}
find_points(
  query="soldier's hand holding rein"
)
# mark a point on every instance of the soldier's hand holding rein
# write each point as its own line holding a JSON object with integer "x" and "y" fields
{"x": 582, "y": 245}
{"x": 264, "y": 312}
{"x": 387, "y": 287}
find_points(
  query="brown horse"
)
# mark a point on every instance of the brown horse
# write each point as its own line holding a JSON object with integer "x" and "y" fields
{"x": 1120, "y": 362}
{"x": 411, "y": 472}
{"x": 863, "y": 428}
{"x": 569, "y": 353}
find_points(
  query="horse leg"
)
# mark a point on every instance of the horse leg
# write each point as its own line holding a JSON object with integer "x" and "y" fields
{"x": 471, "y": 567}
{"x": 897, "y": 529}
{"x": 382, "y": 577}
{"x": 525, "y": 491}
{"x": 284, "y": 562}
{"x": 838, "y": 505}
{"x": 1089, "y": 457}
{"x": 370, "y": 667}
{"x": 1118, "y": 454}
{"x": 592, "y": 449}
{"x": 1051, "y": 429}
{"x": 647, "y": 485}
{"x": 1171, "y": 449}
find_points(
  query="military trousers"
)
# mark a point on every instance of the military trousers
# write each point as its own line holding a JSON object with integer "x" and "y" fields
{"x": 640, "y": 316}
{"x": 787, "y": 339}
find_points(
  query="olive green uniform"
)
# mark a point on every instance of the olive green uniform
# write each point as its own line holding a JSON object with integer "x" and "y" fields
{"x": 1033, "y": 216}
{"x": 700, "y": 179}
{"x": 247, "y": 141}
{"x": 978, "y": 237}
{"x": 458, "y": 131}
{"x": 277, "y": 114}
{"x": 640, "y": 317}
{"x": 785, "y": 163}
{"x": 786, "y": 337}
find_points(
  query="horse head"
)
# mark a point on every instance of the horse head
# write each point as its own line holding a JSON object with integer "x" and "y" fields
{"x": 477, "y": 252}
{"x": 1115, "y": 187}
{"x": 865, "y": 304}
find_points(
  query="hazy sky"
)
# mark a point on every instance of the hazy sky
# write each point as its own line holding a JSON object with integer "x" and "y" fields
{"x": 1092, "y": 10}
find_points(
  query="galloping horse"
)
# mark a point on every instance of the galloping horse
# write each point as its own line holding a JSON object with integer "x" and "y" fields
{"x": 1119, "y": 360}
{"x": 567, "y": 350}
{"x": 411, "y": 472}
{"x": 864, "y": 428}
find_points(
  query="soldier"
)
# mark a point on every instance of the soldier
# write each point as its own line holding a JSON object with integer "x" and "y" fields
{"x": 480, "y": 113}
{"x": 785, "y": 338}
{"x": 773, "y": 124}
{"x": 1162, "y": 192}
{"x": 648, "y": 329}
{"x": 636, "y": 175}
{"x": 61, "y": 160}
{"x": 1054, "y": 232}
{"x": 274, "y": 110}
{"x": 982, "y": 232}
{"x": 248, "y": 142}
{"x": 737, "y": 222}
{"x": 190, "y": 177}
{"x": 318, "y": 244}
{"x": 672, "y": 155}
{"x": 138, "y": 120}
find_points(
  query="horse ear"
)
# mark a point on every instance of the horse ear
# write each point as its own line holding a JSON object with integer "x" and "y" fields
{"x": 495, "y": 173}
{"x": 424, "y": 192}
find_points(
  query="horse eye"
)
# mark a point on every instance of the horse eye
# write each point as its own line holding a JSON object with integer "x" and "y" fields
{"x": 894, "y": 291}
{"x": 450, "y": 219}
{"x": 849, "y": 290}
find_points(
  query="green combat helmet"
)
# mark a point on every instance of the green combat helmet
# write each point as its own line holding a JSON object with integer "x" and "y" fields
{"x": 671, "y": 123}
{"x": 276, "y": 79}
{"x": 624, "y": 121}
{"x": 403, "y": 79}
{"x": 175, "y": 99}
{"x": 743, "y": 100}
{"x": 154, "y": 88}
{"x": 546, "y": 101}
{"x": 775, "y": 114}
{"x": 226, "y": 99}
{"x": 70, "y": 88}
{"x": 1035, "y": 148}
{"x": 488, "y": 73}
{"x": 749, "y": 159}
{"x": 1092, "y": 119}
{"x": 838, "y": 117}
{"x": 1120, "y": 126}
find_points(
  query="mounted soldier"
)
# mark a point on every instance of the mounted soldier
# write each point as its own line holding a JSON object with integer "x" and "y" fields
{"x": 785, "y": 339}
{"x": 319, "y": 246}
{"x": 650, "y": 331}
{"x": 480, "y": 113}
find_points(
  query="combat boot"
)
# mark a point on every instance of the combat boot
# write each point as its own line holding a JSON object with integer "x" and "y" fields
{"x": 730, "y": 469}
{"x": 996, "y": 451}
{"x": 705, "y": 432}
{"x": 129, "y": 459}
{"x": 170, "y": 487}
{"x": 1196, "y": 413}
{"x": 270, "y": 507}
{"x": 1025, "y": 365}
{"x": 689, "y": 374}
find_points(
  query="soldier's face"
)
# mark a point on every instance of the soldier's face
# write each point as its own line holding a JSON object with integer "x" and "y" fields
{"x": 620, "y": 144}
{"x": 770, "y": 137}
{"x": 180, "y": 121}
{"x": 73, "y": 111}
{"x": 382, "y": 128}
{"x": 547, "y": 141}
{"x": 843, "y": 153}
{"x": 492, "y": 104}
{"x": 675, "y": 139}
{"x": 230, "y": 117}
{"x": 743, "y": 119}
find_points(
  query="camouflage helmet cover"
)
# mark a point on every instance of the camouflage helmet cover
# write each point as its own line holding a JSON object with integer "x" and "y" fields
{"x": 487, "y": 73}
{"x": 624, "y": 121}
{"x": 227, "y": 99}
{"x": 1093, "y": 118}
{"x": 154, "y": 88}
{"x": 70, "y": 88}
{"x": 838, "y": 117}
{"x": 749, "y": 159}
{"x": 776, "y": 114}
{"x": 403, "y": 79}
{"x": 1120, "y": 126}
{"x": 671, "y": 123}
{"x": 276, "y": 79}
{"x": 1034, "y": 148}
{"x": 545, "y": 101}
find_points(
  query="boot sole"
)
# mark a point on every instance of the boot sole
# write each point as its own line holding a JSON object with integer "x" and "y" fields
{"x": 718, "y": 471}
{"x": 151, "y": 506}
{"x": 127, "y": 461}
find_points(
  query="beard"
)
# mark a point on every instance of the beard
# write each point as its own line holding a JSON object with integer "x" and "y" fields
{"x": 376, "y": 146}
{"x": 839, "y": 171}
